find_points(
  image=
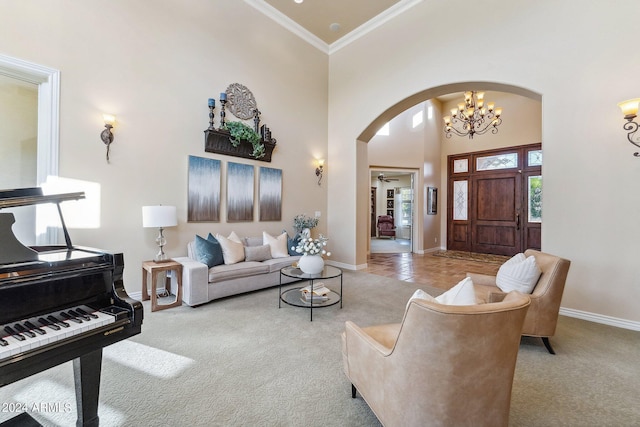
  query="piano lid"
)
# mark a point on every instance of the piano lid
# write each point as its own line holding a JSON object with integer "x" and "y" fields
{"x": 11, "y": 250}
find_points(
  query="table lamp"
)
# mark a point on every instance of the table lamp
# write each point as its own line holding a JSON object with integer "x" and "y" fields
{"x": 160, "y": 217}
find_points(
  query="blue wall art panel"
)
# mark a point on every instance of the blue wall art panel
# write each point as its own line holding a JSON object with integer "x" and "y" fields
{"x": 203, "y": 198}
{"x": 239, "y": 192}
{"x": 270, "y": 194}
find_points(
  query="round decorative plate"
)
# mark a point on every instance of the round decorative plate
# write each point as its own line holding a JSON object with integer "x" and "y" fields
{"x": 240, "y": 101}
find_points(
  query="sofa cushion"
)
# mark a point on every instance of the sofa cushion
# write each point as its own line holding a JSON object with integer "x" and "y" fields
{"x": 519, "y": 273}
{"x": 278, "y": 244}
{"x": 224, "y": 272}
{"x": 232, "y": 248}
{"x": 208, "y": 251}
{"x": 461, "y": 294}
{"x": 275, "y": 264}
{"x": 257, "y": 253}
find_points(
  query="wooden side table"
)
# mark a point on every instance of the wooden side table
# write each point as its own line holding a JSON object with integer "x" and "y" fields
{"x": 152, "y": 268}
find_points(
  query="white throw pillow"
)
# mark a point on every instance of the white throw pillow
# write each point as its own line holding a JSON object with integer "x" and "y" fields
{"x": 232, "y": 248}
{"x": 278, "y": 244}
{"x": 519, "y": 273}
{"x": 420, "y": 294}
{"x": 460, "y": 294}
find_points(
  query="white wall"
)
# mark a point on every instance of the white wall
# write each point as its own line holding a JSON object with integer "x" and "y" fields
{"x": 577, "y": 58}
{"x": 154, "y": 68}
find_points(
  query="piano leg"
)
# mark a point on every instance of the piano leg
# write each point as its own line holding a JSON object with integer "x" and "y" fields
{"x": 86, "y": 372}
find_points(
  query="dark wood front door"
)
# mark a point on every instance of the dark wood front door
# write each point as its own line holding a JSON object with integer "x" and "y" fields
{"x": 494, "y": 202}
{"x": 495, "y": 213}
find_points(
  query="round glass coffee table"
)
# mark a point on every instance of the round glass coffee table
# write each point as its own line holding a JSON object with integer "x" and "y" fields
{"x": 293, "y": 296}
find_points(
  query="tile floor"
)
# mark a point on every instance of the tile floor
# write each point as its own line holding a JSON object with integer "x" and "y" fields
{"x": 425, "y": 269}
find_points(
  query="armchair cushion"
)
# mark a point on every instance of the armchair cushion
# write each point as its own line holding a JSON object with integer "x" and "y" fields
{"x": 519, "y": 273}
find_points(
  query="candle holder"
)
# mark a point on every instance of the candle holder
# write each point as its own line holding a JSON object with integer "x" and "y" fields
{"x": 212, "y": 106}
{"x": 256, "y": 120}
{"x": 222, "y": 112}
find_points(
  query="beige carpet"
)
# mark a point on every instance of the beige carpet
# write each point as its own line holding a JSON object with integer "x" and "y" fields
{"x": 241, "y": 361}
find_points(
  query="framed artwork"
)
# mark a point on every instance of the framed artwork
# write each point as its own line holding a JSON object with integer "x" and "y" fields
{"x": 432, "y": 200}
{"x": 390, "y": 213}
{"x": 390, "y": 204}
{"x": 239, "y": 192}
{"x": 203, "y": 190}
{"x": 389, "y": 194}
{"x": 270, "y": 194}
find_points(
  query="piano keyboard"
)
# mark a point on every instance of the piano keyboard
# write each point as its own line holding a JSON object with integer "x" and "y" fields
{"x": 29, "y": 334}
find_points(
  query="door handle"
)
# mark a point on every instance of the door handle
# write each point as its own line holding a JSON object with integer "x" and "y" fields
{"x": 517, "y": 221}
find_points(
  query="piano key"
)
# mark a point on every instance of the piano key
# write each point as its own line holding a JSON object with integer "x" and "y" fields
{"x": 49, "y": 324}
{"x": 57, "y": 321}
{"x": 81, "y": 311}
{"x": 13, "y": 333}
{"x": 67, "y": 316}
{"x": 75, "y": 313}
{"x": 33, "y": 327}
{"x": 20, "y": 336}
{"x": 24, "y": 331}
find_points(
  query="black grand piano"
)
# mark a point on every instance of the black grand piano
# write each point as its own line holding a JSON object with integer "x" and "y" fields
{"x": 59, "y": 303}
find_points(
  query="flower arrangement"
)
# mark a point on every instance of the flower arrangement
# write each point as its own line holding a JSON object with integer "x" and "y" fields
{"x": 311, "y": 246}
{"x": 300, "y": 222}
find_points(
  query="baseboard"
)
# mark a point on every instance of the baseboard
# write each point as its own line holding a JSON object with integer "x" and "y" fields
{"x": 600, "y": 318}
{"x": 135, "y": 295}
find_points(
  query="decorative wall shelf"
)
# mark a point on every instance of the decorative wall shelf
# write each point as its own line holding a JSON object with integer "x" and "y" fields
{"x": 217, "y": 141}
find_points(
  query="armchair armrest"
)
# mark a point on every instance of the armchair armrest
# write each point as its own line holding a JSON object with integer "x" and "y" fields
{"x": 195, "y": 281}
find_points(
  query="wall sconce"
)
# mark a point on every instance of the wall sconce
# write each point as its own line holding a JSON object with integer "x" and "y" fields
{"x": 106, "y": 135}
{"x": 320, "y": 170}
{"x": 630, "y": 110}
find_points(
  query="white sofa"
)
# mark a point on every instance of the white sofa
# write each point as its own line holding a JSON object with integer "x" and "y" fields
{"x": 201, "y": 284}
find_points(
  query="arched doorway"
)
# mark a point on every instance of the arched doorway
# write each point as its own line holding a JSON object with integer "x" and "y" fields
{"x": 393, "y": 111}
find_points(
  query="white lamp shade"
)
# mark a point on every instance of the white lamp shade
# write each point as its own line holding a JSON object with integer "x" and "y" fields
{"x": 159, "y": 216}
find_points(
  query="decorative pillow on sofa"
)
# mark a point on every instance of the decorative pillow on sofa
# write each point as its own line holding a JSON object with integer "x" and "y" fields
{"x": 519, "y": 273}
{"x": 460, "y": 294}
{"x": 232, "y": 248}
{"x": 257, "y": 253}
{"x": 292, "y": 243}
{"x": 208, "y": 251}
{"x": 278, "y": 244}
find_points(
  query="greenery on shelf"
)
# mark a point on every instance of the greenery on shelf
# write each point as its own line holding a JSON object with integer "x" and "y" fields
{"x": 240, "y": 131}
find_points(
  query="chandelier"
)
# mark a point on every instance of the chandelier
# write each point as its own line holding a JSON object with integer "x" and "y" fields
{"x": 472, "y": 117}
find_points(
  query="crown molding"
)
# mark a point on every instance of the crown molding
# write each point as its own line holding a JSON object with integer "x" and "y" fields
{"x": 289, "y": 24}
{"x": 297, "y": 29}
{"x": 395, "y": 10}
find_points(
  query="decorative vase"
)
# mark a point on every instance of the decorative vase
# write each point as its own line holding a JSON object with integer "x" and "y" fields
{"x": 311, "y": 264}
{"x": 306, "y": 233}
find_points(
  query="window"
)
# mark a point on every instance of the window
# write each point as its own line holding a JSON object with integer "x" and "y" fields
{"x": 406, "y": 199}
{"x": 417, "y": 119}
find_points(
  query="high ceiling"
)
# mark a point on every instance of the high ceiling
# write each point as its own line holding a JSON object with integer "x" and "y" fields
{"x": 317, "y": 16}
{"x": 330, "y": 20}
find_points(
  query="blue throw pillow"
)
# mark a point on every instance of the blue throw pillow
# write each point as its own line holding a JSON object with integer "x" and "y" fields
{"x": 292, "y": 242}
{"x": 208, "y": 251}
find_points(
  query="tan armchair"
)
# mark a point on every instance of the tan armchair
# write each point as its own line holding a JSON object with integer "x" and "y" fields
{"x": 542, "y": 316}
{"x": 443, "y": 365}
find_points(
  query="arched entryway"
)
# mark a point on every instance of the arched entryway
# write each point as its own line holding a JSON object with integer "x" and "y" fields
{"x": 425, "y": 182}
